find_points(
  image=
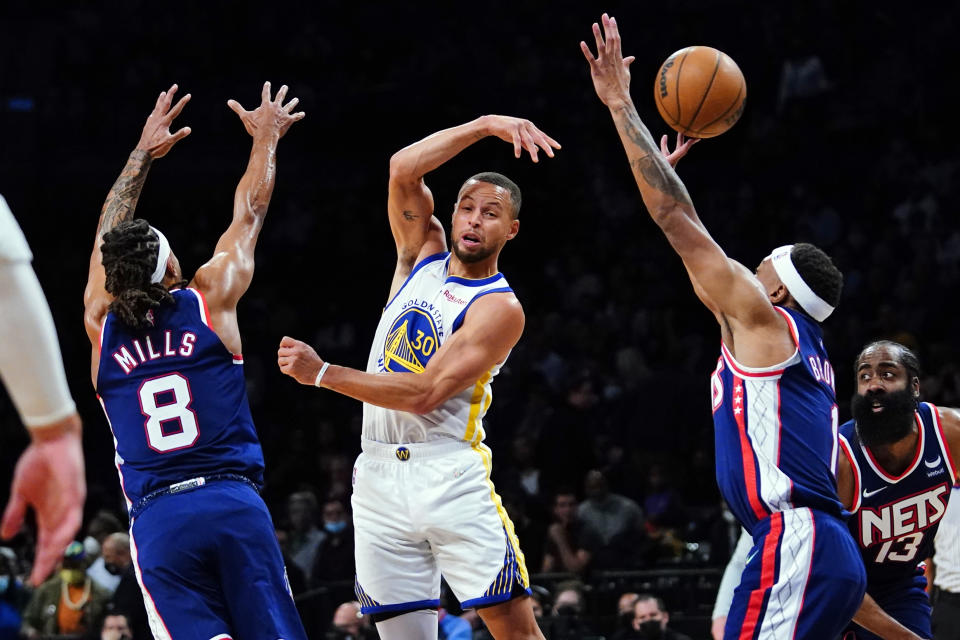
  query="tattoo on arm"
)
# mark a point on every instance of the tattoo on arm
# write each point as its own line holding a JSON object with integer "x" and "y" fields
{"x": 410, "y": 215}
{"x": 122, "y": 200}
{"x": 651, "y": 166}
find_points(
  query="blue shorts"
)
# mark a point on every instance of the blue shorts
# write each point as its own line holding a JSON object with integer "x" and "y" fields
{"x": 906, "y": 602}
{"x": 210, "y": 568}
{"x": 803, "y": 580}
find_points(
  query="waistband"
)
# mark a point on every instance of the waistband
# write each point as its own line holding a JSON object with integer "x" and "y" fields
{"x": 187, "y": 485}
{"x": 413, "y": 450}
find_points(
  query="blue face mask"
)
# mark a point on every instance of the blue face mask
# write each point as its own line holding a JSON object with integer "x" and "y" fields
{"x": 335, "y": 527}
{"x": 4, "y": 583}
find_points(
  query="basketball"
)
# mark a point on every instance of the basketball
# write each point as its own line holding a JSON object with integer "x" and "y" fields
{"x": 700, "y": 92}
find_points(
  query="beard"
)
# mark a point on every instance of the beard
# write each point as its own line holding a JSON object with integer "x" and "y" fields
{"x": 894, "y": 423}
{"x": 470, "y": 257}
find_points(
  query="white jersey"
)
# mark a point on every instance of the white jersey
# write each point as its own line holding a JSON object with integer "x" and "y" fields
{"x": 13, "y": 246}
{"x": 429, "y": 307}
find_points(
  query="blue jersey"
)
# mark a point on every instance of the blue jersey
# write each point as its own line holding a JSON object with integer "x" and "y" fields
{"x": 896, "y": 517}
{"x": 176, "y": 400}
{"x": 776, "y": 429}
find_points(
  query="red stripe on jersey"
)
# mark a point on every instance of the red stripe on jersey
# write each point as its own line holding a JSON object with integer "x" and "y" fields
{"x": 813, "y": 548}
{"x": 746, "y": 452}
{"x": 845, "y": 447}
{"x": 943, "y": 441}
{"x": 768, "y": 570}
{"x": 738, "y": 369}
{"x": 205, "y": 312}
{"x": 791, "y": 324}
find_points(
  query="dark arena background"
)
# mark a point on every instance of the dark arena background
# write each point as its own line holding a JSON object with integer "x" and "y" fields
{"x": 846, "y": 141}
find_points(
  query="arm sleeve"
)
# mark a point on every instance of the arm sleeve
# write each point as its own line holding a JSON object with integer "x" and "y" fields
{"x": 30, "y": 363}
{"x": 731, "y": 575}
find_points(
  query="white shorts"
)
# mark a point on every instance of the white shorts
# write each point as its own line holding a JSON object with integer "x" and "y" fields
{"x": 422, "y": 510}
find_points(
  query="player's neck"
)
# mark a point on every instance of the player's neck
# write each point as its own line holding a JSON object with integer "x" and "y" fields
{"x": 897, "y": 456}
{"x": 473, "y": 270}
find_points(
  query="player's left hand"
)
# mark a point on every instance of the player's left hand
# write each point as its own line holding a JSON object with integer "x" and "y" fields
{"x": 271, "y": 116}
{"x": 610, "y": 70}
{"x": 298, "y": 360}
{"x": 49, "y": 477}
{"x": 683, "y": 145}
{"x": 156, "y": 138}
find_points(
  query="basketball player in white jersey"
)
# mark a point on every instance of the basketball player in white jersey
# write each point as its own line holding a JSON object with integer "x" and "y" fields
{"x": 49, "y": 475}
{"x": 423, "y": 503}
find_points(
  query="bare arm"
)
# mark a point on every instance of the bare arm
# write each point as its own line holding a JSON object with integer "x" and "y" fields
{"x": 155, "y": 141}
{"x": 573, "y": 560}
{"x": 491, "y": 328}
{"x": 950, "y": 421}
{"x": 722, "y": 281}
{"x": 872, "y": 618}
{"x": 416, "y": 231}
{"x": 227, "y": 275}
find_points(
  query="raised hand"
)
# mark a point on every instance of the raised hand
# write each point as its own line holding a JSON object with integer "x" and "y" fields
{"x": 683, "y": 146}
{"x": 271, "y": 116}
{"x": 522, "y": 133}
{"x": 609, "y": 69}
{"x": 49, "y": 477}
{"x": 156, "y": 138}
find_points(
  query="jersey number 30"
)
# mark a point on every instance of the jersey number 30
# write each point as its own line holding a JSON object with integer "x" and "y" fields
{"x": 164, "y": 400}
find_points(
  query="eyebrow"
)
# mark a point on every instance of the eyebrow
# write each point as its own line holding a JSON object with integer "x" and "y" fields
{"x": 883, "y": 363}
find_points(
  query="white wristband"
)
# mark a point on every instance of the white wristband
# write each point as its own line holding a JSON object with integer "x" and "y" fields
{"x": 323, "y": 370}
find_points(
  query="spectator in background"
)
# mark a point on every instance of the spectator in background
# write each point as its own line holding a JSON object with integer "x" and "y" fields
{"x": 650, "y": 620}
{"x": 101, "y": 525}
{"x": 567, "y": 619}
{"x": 570, "y": 543}
{"x": 13, "y": 595}
{"x": 305, "y": 537}
{"x": 451, "y": 627}
{"x": 625, "y": 613}
{"x": 334, "y": 557}
{"x": 116, "y": 626}
{"x": 127, "y": 597}
{"x": 69, "y": 602}
{"x": 617, "y": 520}
{"x": 349, "y": 624}
{"x": 295, "y": 575}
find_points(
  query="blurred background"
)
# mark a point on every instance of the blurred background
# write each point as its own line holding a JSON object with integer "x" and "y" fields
{"x": 844, "y": 142}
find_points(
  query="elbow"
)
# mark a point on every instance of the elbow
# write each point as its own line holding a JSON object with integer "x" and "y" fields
{"x": 403, "y": 167}
{"x": 423, "y": 404}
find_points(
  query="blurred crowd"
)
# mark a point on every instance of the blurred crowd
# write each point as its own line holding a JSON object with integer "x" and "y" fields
{"x": 600, "y": 427}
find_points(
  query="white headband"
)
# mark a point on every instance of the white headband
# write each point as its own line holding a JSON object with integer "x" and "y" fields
{"x": 163, "y": 254}
{"x": 810, "y": 302}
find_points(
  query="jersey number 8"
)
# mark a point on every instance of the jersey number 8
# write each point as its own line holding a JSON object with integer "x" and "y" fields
{"x": 167, "y": 399}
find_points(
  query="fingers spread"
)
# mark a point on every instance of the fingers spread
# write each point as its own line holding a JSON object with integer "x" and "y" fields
{"x": 598, "y": 38}
{"x": 233, "y": 104}
{"x": 281, "y": 94}
{"x": 265, "y": 93}
{"x": 664, "y": 149}
{"x": 181, "y": 134}
{"x": 290, "y": 105}
{"x": 178, "y": 107}
{"x": 587, "y": 53}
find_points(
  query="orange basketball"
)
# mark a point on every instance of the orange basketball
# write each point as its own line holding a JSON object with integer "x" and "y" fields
{"x": 700, "y": 92}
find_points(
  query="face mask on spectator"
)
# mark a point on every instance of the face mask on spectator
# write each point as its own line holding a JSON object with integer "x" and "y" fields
{"x": 650, "y": 630}
{"x": 73, "y": 576}
{"x": 112, "y": 569}
{"x": 335, "y": 527}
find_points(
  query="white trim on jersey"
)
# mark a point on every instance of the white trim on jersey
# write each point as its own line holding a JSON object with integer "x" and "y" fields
{"x": 117, "y": 460}
{"x": 796, "y": 560}
{"x": 203, "y": 305}
{"x": 947, "y": 546}
{"x": 762, "y": 425}
{"x": 918, "y": 455}
{"x": 157, "y": 625}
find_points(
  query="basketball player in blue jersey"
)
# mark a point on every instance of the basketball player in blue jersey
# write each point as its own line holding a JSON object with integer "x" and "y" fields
{"x": 774, "y": 402}
{"x": 895, "y": 476}
{"x": 167, "y": 367}
{"x": 423, "y": 503}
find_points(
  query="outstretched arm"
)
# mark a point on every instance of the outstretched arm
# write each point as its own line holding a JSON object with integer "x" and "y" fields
{"x": 410, "y": 203}
{"x": 155, "y": 141}
{"x": 874, "y": 619}
{"x": 720, "y": 279}
{"x": 491, "y": 328}
{"x": 226, "y": 276}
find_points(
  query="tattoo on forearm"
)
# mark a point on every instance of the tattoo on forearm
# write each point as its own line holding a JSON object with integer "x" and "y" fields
{"x": 122, "y": 200}
{"x": 652, "y": 167}
{"x": 410, "y": 215}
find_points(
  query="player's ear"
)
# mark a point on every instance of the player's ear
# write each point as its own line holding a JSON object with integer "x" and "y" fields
{"x": 915, "y": 385}
{"x": 514, "y": 229}
{"x": 779, "y": 295}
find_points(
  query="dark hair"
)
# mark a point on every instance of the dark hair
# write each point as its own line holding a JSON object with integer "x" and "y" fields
{"x": 129, "y": 258}
{"x": 661, "y": 605}
{"x": 906, "y": 357}
{"x": 818, "y": 271}
{"x": 500, "y": 180}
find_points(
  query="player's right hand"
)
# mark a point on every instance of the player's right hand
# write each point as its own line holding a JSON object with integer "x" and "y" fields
{"x": 271, "y": 116}
{"x": 156, "y": 138}
{"x": 683, "y": 146}
{"x": 50, "y": 478}
{"x": 610, "y": 70}
{"x": 522, "y": 133}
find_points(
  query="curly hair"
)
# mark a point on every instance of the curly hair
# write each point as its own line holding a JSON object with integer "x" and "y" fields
{"x": 129, "y": 257}
{"x": 818, "y": 271}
